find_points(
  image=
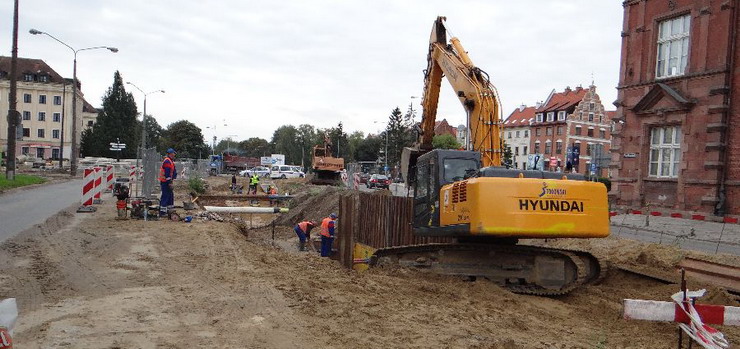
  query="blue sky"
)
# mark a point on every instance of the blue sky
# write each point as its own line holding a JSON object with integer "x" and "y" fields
{"x": 261, "y": 64}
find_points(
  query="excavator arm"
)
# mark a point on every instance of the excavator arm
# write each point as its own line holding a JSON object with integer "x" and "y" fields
{"x": 472, "y": 87}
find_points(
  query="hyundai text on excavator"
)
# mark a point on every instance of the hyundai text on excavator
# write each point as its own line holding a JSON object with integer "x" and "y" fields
{"x": 487, "y": 208}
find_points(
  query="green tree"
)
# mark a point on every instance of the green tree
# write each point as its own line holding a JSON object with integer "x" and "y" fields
{"x": 397, "y": 131}
{"x": 255, "y": 147}
{"x": 186, "y": 138}
{"x": 115, "y": 122}
{"x": 307, "y": 139}
{"x": 369, "y": 148}
{"x": 340, "y": 145}
{"x": 507, "y": 156}
{"x": 353, "y": 142}
{"x": 153, "y": 133}
{"x": 445, "y": 141}
{"x": 284, "y": 141}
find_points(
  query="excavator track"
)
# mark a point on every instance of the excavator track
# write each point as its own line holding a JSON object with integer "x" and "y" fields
{"x": 521, "y": 269}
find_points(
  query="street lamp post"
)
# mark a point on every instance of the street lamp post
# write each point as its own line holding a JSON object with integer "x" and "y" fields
{"x": 140, "y": 152}
{"x": 213, "y": 150}
{"x": 73, "y": 156}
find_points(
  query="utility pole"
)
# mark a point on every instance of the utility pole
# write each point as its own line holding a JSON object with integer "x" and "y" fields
{"x": 12, "y": 112}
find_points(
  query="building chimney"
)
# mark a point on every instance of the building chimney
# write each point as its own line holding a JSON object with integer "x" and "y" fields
{"x": 567, "y": 89}
{"x": 579, "y": 88}
{"x": 521, "y": 107}
{"x": 538, "y": 105}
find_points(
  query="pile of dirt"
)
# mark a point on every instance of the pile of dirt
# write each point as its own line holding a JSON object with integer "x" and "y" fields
{"x": 313, "y": 202}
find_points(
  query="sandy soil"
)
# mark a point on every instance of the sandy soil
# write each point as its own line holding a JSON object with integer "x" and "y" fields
{"x": 89, "y": 281}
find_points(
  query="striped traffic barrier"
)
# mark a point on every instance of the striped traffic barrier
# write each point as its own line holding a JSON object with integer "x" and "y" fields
{"x": 132, "y": 174}
{"x": 638, "y": 309}
{"x": 109, "y": 179}
{"x": 98, "y": 185}
{"x": 88, "y": 191}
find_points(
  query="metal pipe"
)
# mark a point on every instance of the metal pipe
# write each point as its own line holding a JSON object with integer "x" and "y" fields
{"x": 221, "y": 209}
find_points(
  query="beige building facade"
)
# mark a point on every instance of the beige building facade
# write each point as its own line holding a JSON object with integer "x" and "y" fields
{"x": 44, "y": 100}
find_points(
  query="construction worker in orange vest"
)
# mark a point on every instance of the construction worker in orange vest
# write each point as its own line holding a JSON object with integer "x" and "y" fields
{"x": 303, "y": 230}
{"x": 327, "y": 234}
{"x": 167, "y": 174}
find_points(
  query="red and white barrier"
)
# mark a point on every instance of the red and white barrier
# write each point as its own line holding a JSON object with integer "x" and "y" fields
{"x": 696, "y": 217}
{"x": 356, "y": 181}
{"x": 637, "y": 309}
{"x": 109, "y": 179}
{"x": 98, "y": 185}
{"x": 132, "y": 174}
{"x": 88, "y": 187}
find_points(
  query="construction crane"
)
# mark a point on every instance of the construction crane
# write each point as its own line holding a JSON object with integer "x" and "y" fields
{"x": 486, "y": 208}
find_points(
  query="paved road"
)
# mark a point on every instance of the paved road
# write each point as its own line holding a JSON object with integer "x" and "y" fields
{"x": 683, "y": 241}
{"x": 25, "y": 208}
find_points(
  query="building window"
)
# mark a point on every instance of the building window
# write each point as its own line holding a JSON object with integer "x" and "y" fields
{"x": 41, "y": 133}
{"x": 57, "y": 100}
{"x": 26, "y": 98}
{"x": 537, "y": 147}
{"x": 517, "y": 134}
{"x": 538, "y": 132}
{"x": 40, "y": 153}
{"x": 548, "y": 148}
{"x": 560, "y": 130}
{"x": 590, "y": 132}
{"x": 25, "y": 150}
{"x": 665, "y": 151}
{"x": 602, "y": 134}
{"x": 526, "y": 133}
{"x": 591, "y": 106}
{"x": 42, "y": 99}
{"x": 90, "y": 123}
{"x": 548, "y": 131}
{"x": 56, "y": 117}
{"x": 578, "y": 130}
{"x": 591, "y": 117}
{"x": 509, "y": 134}
{"x": 42, "y": 116}
{"x": 561, "y": 115}
{"x": 551, "y": 116}
{"x": 538, "y": 117}
{"x": 524, "y": 165}
{"x": 55, "y": 134}
{"x": 26, "y": 133}
{"x": 558, "y": 147}
{"x": 43, "y": 78}
{"x": 55, "y": 154}
{"x": 673, "y": 46}
{"x": 524, "y": 150}
{"x": 516, "y": 151}
{"x": 26, "y": 115}
{"x": 577, "y": 148}
{"x": 27, "y": 77}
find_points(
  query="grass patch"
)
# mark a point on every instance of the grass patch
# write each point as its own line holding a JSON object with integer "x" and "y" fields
{"x": 20, "y": 181}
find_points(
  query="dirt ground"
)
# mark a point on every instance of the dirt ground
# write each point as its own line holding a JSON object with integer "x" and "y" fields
{"x": 90, "y": 281}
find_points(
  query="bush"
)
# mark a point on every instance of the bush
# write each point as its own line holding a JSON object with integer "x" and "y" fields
{"x": 197, "y": 185}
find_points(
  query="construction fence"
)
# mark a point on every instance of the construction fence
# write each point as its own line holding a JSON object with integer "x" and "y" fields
{"x": 378, "y": 221}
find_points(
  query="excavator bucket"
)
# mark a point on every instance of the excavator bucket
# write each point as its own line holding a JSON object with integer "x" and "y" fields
{"x": 408, "y": 164}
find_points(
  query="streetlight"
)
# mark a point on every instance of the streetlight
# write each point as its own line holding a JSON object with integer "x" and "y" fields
{"x": 143, "y": 119}
{"x": 213, "y": 150}
{"x": 140, "y": 151}
{"x": 228, "y": 140}
{"x": 73, "y": 156}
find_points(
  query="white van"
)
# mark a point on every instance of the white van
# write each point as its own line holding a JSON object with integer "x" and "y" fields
{"x": 285, "y": 171}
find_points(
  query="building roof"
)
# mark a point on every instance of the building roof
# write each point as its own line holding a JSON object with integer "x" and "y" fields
{"x": 87, "y": 107}
{"x": 610, "y": 114}
{"x": 521, "y": 116}
{"x": 442, "y": 127}
{"x": 28, "y": 65}
{"x": 563, "y": 100}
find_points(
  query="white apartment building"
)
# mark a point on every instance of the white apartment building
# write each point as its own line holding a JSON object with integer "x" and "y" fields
{"x": 516, "y": 133}
{"x": 44, "y": 100}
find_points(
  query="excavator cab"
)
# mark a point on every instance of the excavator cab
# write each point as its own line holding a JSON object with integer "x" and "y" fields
{"x": 435, "y": 169}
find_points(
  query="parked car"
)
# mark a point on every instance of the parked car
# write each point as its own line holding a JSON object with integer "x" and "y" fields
{"x": 285, "y": 171}
{"x": 364, "y": 177}
{"x": 378, "y": 181}
{"x": 261, "y": 171}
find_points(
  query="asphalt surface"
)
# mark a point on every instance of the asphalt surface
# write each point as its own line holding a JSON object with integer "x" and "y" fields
{"x": 23, "y": 209}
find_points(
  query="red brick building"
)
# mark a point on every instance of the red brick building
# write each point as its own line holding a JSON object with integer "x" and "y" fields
{"x": 677, "y": 140}
{"x": 572, "y": 120}
{"x": 444, "y": 128}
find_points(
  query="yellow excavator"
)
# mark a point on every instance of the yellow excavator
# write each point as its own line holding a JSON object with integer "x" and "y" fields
{"x": 487, "y": 208}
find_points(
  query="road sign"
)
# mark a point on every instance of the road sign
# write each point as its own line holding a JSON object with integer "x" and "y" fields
{"x": 118, "y": 145}
{"x": 115, "y": 149}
